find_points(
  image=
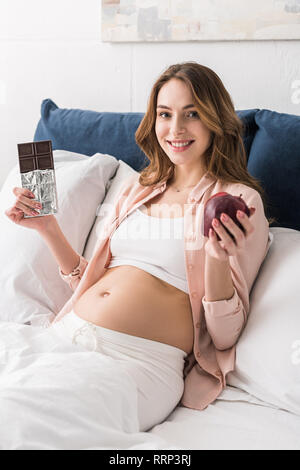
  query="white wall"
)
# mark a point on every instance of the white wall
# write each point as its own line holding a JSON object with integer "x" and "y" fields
{"x": 53, "y": 49}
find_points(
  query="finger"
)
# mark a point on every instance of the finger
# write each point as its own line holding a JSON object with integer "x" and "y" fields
{"x": 19, "y": 212}
{"x": 14, "y": 214}
{"x": 25, "y": 202}
{"x": 245, "y": 222}
{"x": 26, "y": 197}
{"x": 217, "y": 245}
{"x": 232, "y": 227}
{"x": 23, "y": 191}
{"x": 229, "y": 243}
{"x": 11, "y": 211}
{"x": 27, "y": 210}
{"x": 214, "y": 239}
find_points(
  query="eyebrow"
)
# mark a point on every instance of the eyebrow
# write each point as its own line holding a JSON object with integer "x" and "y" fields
{"x": 167, "y": 107}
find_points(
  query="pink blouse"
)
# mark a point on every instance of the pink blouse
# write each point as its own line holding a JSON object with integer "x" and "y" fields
{"x": 217, "y": 324}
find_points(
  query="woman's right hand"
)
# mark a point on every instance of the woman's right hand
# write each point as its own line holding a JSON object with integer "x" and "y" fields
{"x": 24, "y": 204}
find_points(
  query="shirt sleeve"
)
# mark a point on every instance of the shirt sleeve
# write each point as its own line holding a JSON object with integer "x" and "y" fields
{"x": 225, "y": 319}
{"x": 74, "y": 277}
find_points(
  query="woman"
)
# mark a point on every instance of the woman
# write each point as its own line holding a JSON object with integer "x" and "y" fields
{"x": 169, "y": 310}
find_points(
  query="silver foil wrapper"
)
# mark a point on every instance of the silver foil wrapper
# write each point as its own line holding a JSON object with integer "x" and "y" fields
{"x": 42, "y": 184}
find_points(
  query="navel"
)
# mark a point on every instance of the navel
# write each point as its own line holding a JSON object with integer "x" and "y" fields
{"x": 105, "y": 294}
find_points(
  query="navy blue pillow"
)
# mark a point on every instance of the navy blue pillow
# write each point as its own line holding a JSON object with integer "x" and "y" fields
{"x": 275, "y": 161}
{"x": 248, "y": 118}
{"x": 90, "y": 132}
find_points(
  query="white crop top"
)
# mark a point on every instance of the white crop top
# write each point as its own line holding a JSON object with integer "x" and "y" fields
{"x": 153, "y": 244}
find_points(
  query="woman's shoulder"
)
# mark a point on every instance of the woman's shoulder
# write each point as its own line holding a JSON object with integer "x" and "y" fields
{"x": 236, "y": 189}
{"x": 130, "y": 182}
{"x": 131, "y": 186}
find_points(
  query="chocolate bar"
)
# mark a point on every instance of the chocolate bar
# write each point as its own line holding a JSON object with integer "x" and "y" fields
{"x": 38, "y": 174}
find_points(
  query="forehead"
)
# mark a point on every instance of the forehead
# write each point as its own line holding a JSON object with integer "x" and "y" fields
{"x": 175, "y": 91}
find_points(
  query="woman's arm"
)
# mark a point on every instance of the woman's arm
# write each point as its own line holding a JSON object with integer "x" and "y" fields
{"x": 218, "y": 280}
{"x": 228, "y": 282}
{"x": 224, "y": 312}
{"x": 71, "y": 264}
{"x": 66, "y": 257}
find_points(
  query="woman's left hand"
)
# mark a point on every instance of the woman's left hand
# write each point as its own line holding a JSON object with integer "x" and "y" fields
{"x": 222, "y": 249}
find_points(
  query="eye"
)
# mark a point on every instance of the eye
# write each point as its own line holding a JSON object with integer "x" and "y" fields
{"x": 194, "y": 114}
{"x": 161, "y": 114}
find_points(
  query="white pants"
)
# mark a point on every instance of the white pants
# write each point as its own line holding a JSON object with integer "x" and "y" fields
{"x": 157, "y": 368}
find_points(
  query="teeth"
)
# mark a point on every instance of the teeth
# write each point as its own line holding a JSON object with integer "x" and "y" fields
{"x": 181, "y": 144}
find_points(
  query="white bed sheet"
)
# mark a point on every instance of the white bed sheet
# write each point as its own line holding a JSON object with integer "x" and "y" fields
{"x": 235, "y": 421}
{"x": 50, "y": 399}
{"x": 55, "y": 395}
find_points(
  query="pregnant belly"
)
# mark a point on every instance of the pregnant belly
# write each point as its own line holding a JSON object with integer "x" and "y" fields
{"x": 132, "y": 301}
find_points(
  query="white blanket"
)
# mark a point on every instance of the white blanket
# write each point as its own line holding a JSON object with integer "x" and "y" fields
{"x": 236, "y": 420}
{"x": 56, "y": 395}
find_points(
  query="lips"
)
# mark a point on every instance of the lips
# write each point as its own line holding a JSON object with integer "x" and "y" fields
{"x": 180, "y": 141}
{"x": 181, "y": 147}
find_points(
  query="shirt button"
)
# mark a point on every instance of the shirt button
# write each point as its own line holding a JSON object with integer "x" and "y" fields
{"x": 218, "y": 373}
{"x": 194, "y": 294}
{"x": 198, "y": 354}
{"x": 191, "y": 199}
{"x": 197, "y": 325}
{"x": 191, "y": 266}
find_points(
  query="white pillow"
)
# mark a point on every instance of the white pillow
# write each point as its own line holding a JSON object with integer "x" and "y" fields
{"x": 30, "y": 285}
{"x": 268, "y": 351}
{"x": 124, "y": 172}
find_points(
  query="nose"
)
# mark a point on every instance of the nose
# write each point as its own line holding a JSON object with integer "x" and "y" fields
{"x": 177, "y": 126}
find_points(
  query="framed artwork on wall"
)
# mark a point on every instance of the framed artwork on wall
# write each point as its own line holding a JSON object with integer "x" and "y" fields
{"x": 199, "y": 20}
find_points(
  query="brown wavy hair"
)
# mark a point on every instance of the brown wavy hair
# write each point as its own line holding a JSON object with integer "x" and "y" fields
{"x": 225, "y": 158}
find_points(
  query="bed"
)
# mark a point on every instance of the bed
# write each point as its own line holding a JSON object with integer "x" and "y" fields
{"x": 94, "y": 153}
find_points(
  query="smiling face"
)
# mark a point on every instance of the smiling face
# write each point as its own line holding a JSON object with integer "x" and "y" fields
{"x": 179, "y": 130}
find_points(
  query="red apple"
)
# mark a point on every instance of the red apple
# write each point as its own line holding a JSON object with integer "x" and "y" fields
{"x": 223, "y": 202}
